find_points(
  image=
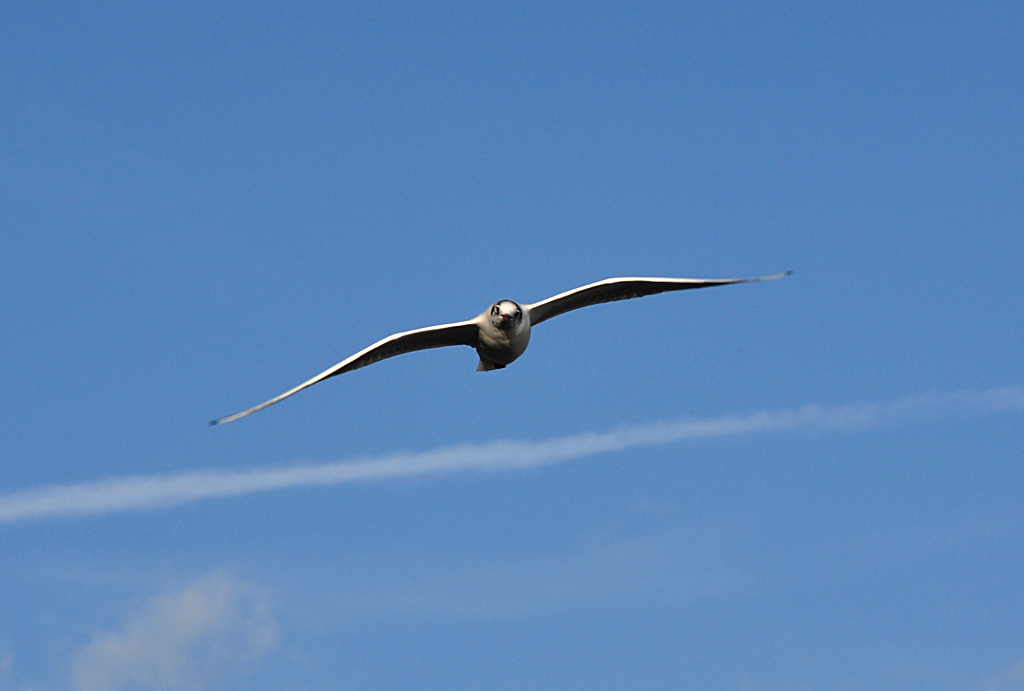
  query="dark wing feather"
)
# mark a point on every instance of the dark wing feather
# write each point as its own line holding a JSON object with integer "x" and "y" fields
{"x": 613, "y": 289}
{"x": 460, "y": 333}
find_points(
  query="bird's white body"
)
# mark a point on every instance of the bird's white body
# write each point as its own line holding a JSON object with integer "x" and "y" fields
{"x": 502, "y": 333}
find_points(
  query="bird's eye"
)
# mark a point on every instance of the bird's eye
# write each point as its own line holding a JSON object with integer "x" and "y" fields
{"x": 495, "y": 310}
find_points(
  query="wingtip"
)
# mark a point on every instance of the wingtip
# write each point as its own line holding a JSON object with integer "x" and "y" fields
{"x": 231, "y": 418}
{"x": 773, "y": 277}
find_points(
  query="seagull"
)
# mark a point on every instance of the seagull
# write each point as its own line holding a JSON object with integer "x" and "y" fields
{"x": 501, "y": 333}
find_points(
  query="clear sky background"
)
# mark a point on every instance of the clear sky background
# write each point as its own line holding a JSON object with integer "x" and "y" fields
{"x": 202, "y": 206}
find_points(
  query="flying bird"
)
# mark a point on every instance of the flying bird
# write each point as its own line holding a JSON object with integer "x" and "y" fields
{"x": 501, "y": 333}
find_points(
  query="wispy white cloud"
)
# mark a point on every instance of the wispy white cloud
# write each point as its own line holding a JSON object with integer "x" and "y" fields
{"x": 215, "y": 627}
{"x": 6, "y": 669}
{"x": 1011, "y": 679}
{"x": 140, "y": 493}
{"x": 8, "y": 678}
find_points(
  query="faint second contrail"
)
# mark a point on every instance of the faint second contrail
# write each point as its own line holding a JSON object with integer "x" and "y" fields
{"x": 145, "y": 492}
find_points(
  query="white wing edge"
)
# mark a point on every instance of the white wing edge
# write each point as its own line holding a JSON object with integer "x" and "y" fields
{"x": 681, "y": 282}
{"x": 340, "y": 366}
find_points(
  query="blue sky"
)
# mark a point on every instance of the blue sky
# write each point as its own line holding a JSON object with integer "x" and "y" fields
{"x": 203, "y": 206}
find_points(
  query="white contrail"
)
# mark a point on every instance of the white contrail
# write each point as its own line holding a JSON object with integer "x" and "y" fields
{"x": 140, "y": 492}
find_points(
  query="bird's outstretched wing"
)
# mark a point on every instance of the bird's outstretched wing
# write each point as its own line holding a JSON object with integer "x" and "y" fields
{"x": 459, "y": 333}
{"x": 612, "y": 289}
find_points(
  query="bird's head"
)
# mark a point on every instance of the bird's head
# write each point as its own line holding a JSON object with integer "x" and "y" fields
{"x": 506, "y": 314}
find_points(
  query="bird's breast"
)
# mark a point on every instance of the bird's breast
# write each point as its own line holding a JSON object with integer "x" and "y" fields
{"x": 502, "y": 346}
